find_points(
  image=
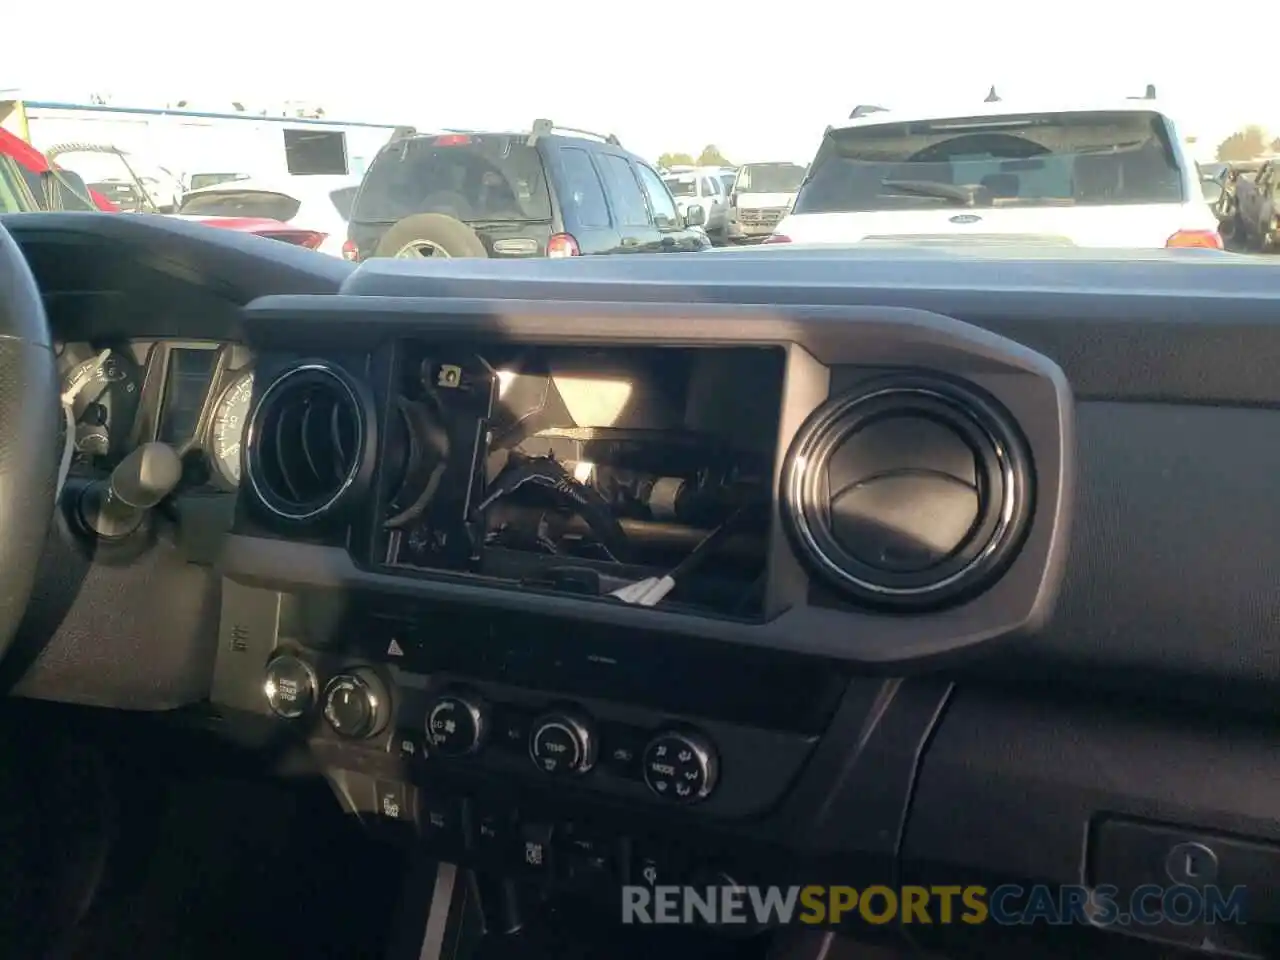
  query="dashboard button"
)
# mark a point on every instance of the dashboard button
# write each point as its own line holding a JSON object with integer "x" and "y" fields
{"x": 394, "y": 801}
{"x": 356, "y": 704}
{"x": 494, "y": 836}
{"x": 562, "y": 743}
{"x": 620, "y": 751}
{"x": 291, "y": 687}
{"x": 535, "y": 848}
{"x": 441, "y": 819}
{"x": 511, "y": 728}
{"x": 455, "y": 725}
{"x": 681, "y": 767}
{"x": 406, "y": 744}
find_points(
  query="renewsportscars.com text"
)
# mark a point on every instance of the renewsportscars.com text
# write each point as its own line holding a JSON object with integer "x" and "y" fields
{"x": 1008, "y": 905}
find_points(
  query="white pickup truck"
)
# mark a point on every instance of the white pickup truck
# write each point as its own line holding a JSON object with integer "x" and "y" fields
{"x": 1106, "y": 175}
{"x": 702, "y": 186}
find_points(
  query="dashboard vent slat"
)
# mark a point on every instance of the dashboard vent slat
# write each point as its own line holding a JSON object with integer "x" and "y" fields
{"x": 911, "y": 493}
{"x": 306, "y": 442}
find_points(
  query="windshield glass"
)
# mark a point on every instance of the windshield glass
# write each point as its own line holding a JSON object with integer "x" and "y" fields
{"x": 769, "y": 178}
{"x": 471, "y": 178}
{"x": 1048, "y": 159}
{"x": 682, "y": 187}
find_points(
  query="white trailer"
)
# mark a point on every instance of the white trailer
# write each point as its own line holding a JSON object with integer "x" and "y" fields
{"x": 195, "y": 144}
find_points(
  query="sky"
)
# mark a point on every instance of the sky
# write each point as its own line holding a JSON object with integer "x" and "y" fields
{"x": 759, "y": 81}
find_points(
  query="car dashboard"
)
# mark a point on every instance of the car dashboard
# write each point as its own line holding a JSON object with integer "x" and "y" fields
{"x": 750, "y": 568}
{"x": 191, "y": 395}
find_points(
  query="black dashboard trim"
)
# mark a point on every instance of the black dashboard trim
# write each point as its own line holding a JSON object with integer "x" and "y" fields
{"x": 1028, "y": 384}
{"x": 1174, "y": 325}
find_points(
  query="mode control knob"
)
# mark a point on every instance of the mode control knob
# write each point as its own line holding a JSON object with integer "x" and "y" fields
{"x": 455, "y": 725}
{"x": 357, "y": 703}
{"x": 681, "y": 766}
{"x": 291, "y": 687}
{"x": 562, "y": 743}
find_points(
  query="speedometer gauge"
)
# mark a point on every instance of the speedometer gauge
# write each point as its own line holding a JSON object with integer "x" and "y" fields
{"x": 229, "y": 419}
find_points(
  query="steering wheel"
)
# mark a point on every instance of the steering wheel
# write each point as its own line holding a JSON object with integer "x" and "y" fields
{"x": 29, "y": 410}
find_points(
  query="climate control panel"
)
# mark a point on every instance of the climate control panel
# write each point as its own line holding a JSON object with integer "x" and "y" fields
{"x": 357, "y": 703}
{"x": 681, "y": 766}
{"x": 436, "y": 727}
{"x": 563, "y": 743}
{"x": 456, "y": 725}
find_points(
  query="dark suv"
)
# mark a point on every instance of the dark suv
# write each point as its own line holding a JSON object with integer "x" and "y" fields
{"x": 555, "y": 192}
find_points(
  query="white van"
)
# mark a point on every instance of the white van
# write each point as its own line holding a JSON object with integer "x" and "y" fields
{"x": 1114, "y": 176}
{"x": 761, "y": 196}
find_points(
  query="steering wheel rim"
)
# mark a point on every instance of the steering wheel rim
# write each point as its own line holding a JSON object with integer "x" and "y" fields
{"x": 29, "y": 411}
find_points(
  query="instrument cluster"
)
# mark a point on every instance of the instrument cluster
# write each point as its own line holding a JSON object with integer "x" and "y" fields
{"x": 192, "y": 395}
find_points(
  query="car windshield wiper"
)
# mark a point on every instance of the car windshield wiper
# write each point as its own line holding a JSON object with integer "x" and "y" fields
{"x": 932, "y": 188}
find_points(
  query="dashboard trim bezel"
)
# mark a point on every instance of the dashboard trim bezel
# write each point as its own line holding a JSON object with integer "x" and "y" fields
{"x": 1029, "y": 385}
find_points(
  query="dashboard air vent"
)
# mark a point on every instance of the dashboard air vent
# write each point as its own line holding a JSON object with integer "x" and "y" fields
{"x": 306, "y": 442}
{"x": 908, "y": 494}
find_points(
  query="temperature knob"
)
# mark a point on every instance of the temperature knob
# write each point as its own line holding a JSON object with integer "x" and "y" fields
{"x": 357, "y": 703}
{"x": 681, "y": 767}
{"x": 562, "y": 743}
{"x": 455, "y": 725}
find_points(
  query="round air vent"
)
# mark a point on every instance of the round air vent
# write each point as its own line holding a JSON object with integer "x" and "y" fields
{"x": 909, "y": 494}
{"x": 305, "y": 443}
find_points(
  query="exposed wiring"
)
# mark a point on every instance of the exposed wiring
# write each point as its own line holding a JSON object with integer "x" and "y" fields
{"x": 653, "y": 590}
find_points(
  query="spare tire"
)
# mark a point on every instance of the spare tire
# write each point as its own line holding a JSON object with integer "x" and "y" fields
{"x": 430, "y": 235}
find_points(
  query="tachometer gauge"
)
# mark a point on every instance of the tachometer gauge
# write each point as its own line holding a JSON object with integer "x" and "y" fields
{"x": 103, "y": 391}
{"x": 229, "y": 419}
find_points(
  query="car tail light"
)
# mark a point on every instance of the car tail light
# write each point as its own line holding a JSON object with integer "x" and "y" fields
{"x": 310, "y": 239}
{"x": 777, "y": 238}
{"x": 563, "y": 245}
{"x": 453, "y": 140}
{"x": 1196, "y": 240}
{"x": 350, "y": 251}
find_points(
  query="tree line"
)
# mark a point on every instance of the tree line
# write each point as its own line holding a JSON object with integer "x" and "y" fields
{"x": 1247, "y": 144}
{"x": 709, "y": 157}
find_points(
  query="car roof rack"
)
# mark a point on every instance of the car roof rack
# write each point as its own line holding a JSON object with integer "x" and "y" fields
{"x": 866, "y": 109}
{"x": 545, "y": 128}
{"x": 1148, "y": 94}
{"x": 403, "y": 133}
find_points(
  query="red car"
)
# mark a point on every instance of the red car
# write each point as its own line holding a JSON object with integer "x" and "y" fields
{"x": 69, "y": 192}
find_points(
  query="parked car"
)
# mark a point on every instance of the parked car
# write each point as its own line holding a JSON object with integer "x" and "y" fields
{"x": 1112, "y": 174}
{"x": 311, "y": 211}
{"x": 703, "y": 187}
{"x": 762, "y": 195}
{"x": 550, "y": 192}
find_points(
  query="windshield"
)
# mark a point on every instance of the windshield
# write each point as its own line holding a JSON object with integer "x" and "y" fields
{"x": 241, "y": 203}
{"x": 682, "y": 187}
{"x": 1049, "y": 159}
{"x": 769, "y": 178}
{"x": 470, "y": 178}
